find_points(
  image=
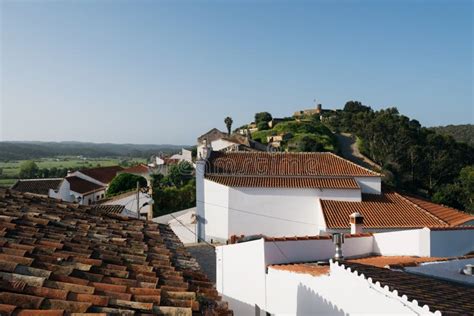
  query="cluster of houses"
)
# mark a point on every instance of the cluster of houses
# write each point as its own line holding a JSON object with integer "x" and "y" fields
{"x": 309, "y": 233}
{"x": 89, "y": 186}
{"x": 313, "y": 233}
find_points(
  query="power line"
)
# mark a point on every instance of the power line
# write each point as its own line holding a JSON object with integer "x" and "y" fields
{"x": 198, "y": 238}
{"x": 257, "y": 214}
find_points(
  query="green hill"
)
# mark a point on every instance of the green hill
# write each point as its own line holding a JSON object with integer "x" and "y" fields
{"x": 304, "y": 135}
{"x": 462, "y": 133}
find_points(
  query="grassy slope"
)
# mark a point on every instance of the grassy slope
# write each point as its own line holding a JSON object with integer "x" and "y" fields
{"x": 313, "y": 129}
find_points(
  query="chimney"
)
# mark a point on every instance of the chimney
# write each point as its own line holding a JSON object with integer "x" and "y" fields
{"x": 357, "y": 223}
{"x": 338, "y": 240}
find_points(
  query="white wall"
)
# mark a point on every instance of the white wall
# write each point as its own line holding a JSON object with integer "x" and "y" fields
{"x": 340, "y": 293}
{"x": 272, "y": 211}
{"x": 240, "y": 276}
{"x": 130, "y": 203}
{"x": 215, "y": 211}
{"x": 63, "y": 193}
{"x": 414, "y": 242}
{"x": 372, "y": 185}
{"x": 186, "y": 234}
{"x": 449, "y": 243}
{"x": 312, "y": 250}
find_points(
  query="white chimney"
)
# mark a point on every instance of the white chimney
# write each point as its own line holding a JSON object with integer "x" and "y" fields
{"x": 357, "y": 223}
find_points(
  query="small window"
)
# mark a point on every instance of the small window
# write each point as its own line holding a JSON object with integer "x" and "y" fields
{"x": 102, "y": 196}
{"x": 98, "y": 197}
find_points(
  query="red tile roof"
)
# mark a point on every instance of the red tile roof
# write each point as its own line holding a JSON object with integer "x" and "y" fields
{"x": 447, "y": 297}
{"x": 284, "y": 182}
{"x": 62, "y": 258}
{"x": 448, "y": 214}
{"x": 395, "y": 261}
{"x": 321, "y": 164}
{"x": 102, "y": 174}
{"x": 82, "y": 186}
{"x": 140, "y": 169}
{"x": 37, "y": 186}
{"x": 389, "y": 210}
{"x": 304, "y": 268}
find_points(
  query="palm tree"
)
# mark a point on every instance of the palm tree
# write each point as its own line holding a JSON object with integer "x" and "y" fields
{"x": 228, "y": 122}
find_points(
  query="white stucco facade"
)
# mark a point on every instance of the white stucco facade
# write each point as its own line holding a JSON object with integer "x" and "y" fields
{"x": 62, "y": 193}
{"x": 231, "y": 211}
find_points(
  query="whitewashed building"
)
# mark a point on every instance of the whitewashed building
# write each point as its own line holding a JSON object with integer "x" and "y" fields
{"x": 134, "y": 203}
{"x": 411, "y": 272}
{"x": 220, "y": 141}
{"x": 288, "y": 194}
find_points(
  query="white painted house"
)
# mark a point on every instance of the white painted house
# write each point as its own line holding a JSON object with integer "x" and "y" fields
{"x": 220, "y": 141}
{"x": 288, "y": 194}
{"x": 411, "y": 272}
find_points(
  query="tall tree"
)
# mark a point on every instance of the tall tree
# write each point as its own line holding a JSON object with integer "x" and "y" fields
{"x": 228, "y": 123}
{"x": 29, "y": 169}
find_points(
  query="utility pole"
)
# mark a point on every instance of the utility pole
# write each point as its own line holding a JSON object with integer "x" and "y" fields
{"x": 138, "y": 199}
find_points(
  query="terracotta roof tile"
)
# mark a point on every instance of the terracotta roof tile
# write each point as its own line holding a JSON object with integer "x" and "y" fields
{"x": 138, "y": 169}
{"x": 284, "y": 182}
{"x": 67, "y": 258}
{"x": 389, "y": 210}
{"x": 321, "y": 164}
{"x": 389, "y": 261}
{"x": 304, "y": 268}
{"x": 102, "y": 174}
{"x": 446, "y": 297}
{"x": 37, "y": 186}
{"x": 82, "y": 186}
{"x": 448, "y": 214}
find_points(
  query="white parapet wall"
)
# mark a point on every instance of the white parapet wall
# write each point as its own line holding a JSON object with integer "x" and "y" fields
{"x": 240, "y": 276}
{"x": 342, "y": 292}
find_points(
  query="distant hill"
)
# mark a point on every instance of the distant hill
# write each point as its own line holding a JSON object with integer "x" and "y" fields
{"x": 34, "y": 150}
{"x": 461, "y": 133}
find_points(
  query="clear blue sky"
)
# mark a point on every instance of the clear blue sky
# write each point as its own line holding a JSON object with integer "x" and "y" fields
{"x": 168, "y": 71}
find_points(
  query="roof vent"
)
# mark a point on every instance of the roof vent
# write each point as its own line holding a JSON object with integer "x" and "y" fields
{"x": 357, "y": 223}
{"x": 338, "y": 240}
{"x": 468, "y": 269}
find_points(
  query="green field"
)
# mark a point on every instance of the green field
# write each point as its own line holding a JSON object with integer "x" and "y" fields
{"x": 5, "y": 183}
{"x": 12, "y": 168}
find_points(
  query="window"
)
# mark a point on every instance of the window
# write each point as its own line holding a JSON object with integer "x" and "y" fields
{"x": 102, "y": 196}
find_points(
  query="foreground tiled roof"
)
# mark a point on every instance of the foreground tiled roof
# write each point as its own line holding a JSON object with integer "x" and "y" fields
{"x": 66, "y": 259}
{"x": 388, "y": 210}
{"x": 140, "y": 169}
{"x": 319, "y": 164}
{"x": 284, "y": 182}
{"x": 82, "y": 186}
{"x": 102, "y": 174}
{"x": 443, "y": 296}
{"x": 447, "y": 214}
{"x": 37, "y": 186}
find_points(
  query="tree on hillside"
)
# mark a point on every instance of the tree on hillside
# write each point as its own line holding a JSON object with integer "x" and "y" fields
{"x": 262, "y": 117}
{"x": 125, "y": 182}
{"x": 459, "y": 194}
{"x": 228, "y": 123}
{"x": 179, "y": 174}
{"x": 28, "y": 170}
